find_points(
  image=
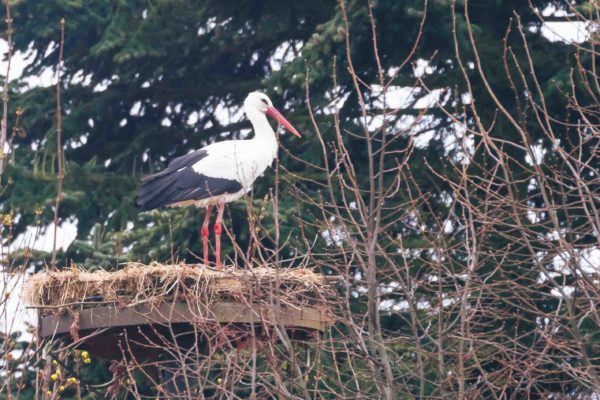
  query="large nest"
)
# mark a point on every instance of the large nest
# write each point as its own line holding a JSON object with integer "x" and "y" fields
{"x": 155, "y": 283}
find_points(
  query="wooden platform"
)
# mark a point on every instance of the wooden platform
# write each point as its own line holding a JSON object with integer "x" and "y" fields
{"x": 143, "y": 329}
{"x": 171, "y": 313}
{"x": 140, "y": 309}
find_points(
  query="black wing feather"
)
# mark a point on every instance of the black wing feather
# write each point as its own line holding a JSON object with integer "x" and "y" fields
{"x": 179, "y": 182}
{"x": 179, "y": 162}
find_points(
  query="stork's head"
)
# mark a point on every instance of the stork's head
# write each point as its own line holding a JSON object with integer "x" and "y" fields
{"x": 257, "y": 101}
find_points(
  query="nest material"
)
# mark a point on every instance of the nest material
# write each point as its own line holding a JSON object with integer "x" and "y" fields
{"x": 156, "y": 283}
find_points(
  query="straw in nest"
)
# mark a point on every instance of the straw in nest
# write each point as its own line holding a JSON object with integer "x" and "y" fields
{"x": 138, "y": 283}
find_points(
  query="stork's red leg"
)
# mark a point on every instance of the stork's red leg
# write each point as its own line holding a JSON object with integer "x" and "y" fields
{"x": 204, "y": 233}
{"x": 218, "y": 223}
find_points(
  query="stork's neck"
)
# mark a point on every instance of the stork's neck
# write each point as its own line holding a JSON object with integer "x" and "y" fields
{"x": 262, "y": 128}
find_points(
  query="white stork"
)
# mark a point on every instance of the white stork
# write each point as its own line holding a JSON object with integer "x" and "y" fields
{"x": 218, "y": 173}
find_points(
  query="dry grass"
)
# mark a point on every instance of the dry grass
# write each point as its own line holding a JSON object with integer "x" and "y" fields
{"x": 138, "y": 283}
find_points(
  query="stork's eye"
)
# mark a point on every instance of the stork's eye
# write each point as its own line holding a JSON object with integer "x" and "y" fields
{"x": 264, "y": 101}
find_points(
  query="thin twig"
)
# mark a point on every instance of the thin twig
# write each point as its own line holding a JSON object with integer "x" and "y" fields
{"x": 59, "y": 150}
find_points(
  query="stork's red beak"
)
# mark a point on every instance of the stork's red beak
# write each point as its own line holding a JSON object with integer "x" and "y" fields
{"x": 276, "y": 115}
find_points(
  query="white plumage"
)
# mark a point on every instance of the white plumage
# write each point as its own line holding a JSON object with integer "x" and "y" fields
{"x": 239, "y": 160}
